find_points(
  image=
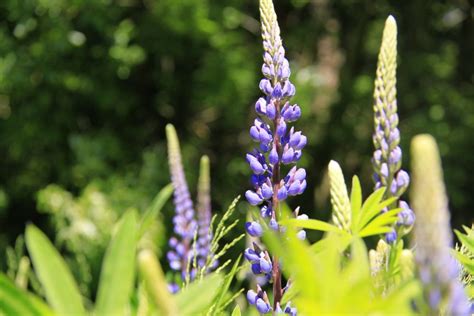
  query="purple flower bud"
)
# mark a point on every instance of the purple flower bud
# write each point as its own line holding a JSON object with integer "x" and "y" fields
{"x": 282, "y": 193}
{"x": 252, "y": 297}
{"x": 256, "y": 268}
{"x": 281, "y": 128}
{"x": 265, "y": 265}
{"x": 262, "y": 306}
{"x": 284, "y": 70}
{"x": 255, "y": 165}
{"x": 403, "y": 179}
{"x": 294, "y": 188}
{"x": 251, "y": 255}
{"x": 173, "y": 288}
{"x": 265, "y": 211}
{"x": 390, "y": 237}
{"x": 300, "y": 174}
{"x": 267, "y": 191}
{"x": 253, "y": 198}
{"x": 277, "y": 93}
{"x": 266, "y": 87}
{"x": 395, "y": 156}
{"x": 288, "y": 89}
{"x": 384, "y": 170}
{"x": 273, "y": 224}
{"x": 301, "y": 235}
{"x": 271, "y": 110}
{"x": 288, "y": 155}
{"x": 267, "y": 71}
{"x": 273, "y": 156}
{"x": 261, "y": 106}
{"x": 254, "y": 229}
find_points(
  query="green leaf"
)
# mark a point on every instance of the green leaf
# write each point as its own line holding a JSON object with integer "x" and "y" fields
{"x": 371, "y": 208}
{"x": 466, "y": 240}
{"x": 382, "y": 221}
{"x": 313, "y": 224}
{"x": 15, "y": 301}
{"x": 198, "y": 296}
{"x": 60, "y": 288}
{"x": 467, "y": 262}
{"x": 152, "y": 212}
{"x": 236, "y": 311}
{"x": 155, "y": 282}
{"x": 227, "y": 281}
{"x": 118, "y": 268}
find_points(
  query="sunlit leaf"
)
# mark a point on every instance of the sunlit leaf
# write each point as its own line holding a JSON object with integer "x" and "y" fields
{"x": 199, "y": 295}
{"x": 15, "y": 301}
{"x": 60, "y": 288}
{"x": 118, "y": 268}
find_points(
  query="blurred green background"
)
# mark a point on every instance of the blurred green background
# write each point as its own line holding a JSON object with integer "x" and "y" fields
{"x": 87, "y": 86}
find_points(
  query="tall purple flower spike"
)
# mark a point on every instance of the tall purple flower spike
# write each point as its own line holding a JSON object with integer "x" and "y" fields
{"x": 181, "y": 248}
{"x": 278, "y": 145}
{"x": 387, "y": 157}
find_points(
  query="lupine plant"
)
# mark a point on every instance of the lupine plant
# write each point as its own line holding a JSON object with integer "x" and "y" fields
{"x": 335, "y": 275}
{"x": 279, "y": 145}
{"x": 387, "y": 157}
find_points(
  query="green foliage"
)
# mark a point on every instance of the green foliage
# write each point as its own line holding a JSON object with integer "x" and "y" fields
{"x": 367, "y": 218}
{"x": 336, "y": 280}
{"x": 465, "y": 255}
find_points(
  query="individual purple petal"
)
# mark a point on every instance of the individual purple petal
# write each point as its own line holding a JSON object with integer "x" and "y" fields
{"x": 252, "y": 297}
{"x": 253, "y": 198}
{"x": 262, "y": 306}
{"x": 254, "y": 229}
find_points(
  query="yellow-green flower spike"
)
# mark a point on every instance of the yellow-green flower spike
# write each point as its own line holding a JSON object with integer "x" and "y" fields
{"x": 341, "y": 205}
{"x": 432, "y": 236}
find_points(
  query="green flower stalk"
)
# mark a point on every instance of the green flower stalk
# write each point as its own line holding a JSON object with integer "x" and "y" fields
{"x": 432, "y": 236}
{"x": 341, "y": 205}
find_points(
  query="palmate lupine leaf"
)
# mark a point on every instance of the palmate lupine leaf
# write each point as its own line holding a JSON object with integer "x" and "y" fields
{"x": 366, "y": 219}
{"x": 61, "y": 290}
{"x": 465, "y": 255}
{"x": 328, "y": 282}
{"x": 117, "y": 275}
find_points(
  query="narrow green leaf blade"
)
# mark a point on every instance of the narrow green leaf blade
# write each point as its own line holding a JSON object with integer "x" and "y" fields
{"x": 313, "y": 224}
{"x": 118, "y": 268}
{"x": 236, "y": 311}
{"x": 198, "y": 296}
{"x": 152, "y": 212}
{"x": 15, "y": 301}
{"x": 356, "y": 199}
{"x": 60, "y": 288}
{"x": 370, "y": 208}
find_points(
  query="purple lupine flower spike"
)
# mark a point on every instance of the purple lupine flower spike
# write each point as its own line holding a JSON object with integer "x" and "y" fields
{"x": 279, "y": 145}
{"x": 184, "y": 224}
{"x": 387, "y": 157}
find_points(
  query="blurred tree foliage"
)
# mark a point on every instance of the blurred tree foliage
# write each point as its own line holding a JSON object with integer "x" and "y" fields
{"x": 87, "y": 86}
